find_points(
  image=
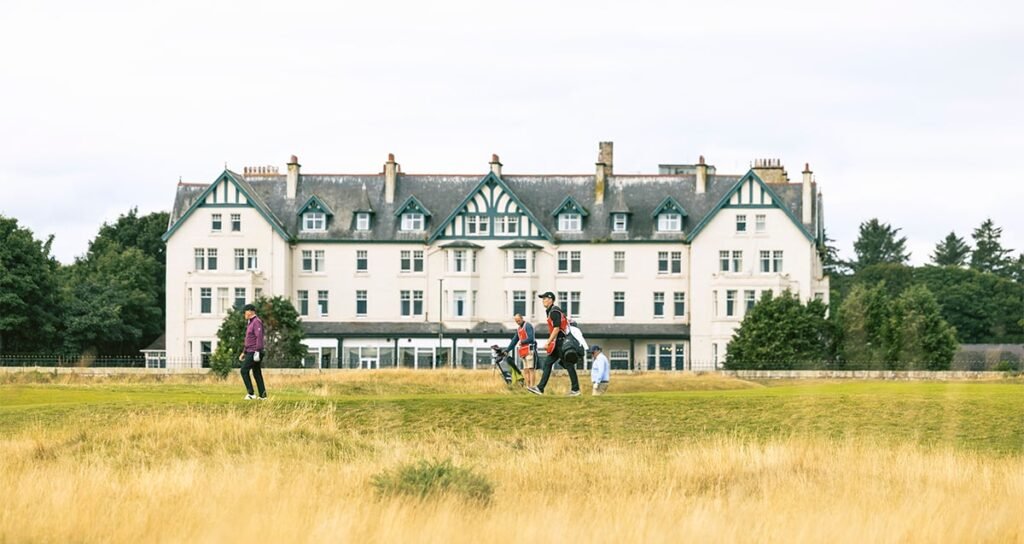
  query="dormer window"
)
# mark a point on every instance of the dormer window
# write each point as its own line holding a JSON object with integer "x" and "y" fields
{"x": 314, "y": 221}
{"x": 619, "y": 222}
{"x": 362, "y": 221}
{"x": 670, "y": 222}
{"x": 570, "y": 222}
{"x": 412, "y": 221}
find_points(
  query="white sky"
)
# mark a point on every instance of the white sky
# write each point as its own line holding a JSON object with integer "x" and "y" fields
{"x": 912, "y": 112}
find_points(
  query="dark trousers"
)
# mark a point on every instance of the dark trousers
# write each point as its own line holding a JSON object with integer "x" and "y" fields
{"x": 574, "y": 381}
{"x": 257, "y": 372}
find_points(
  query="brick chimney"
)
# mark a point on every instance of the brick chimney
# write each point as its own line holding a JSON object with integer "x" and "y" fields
{"x": 702, "y": 176}
{"x": 292, "y": 185}
{"x": 390, "y": 178}
{"x": 495, "y": 166}
{"x": 805, "y": 202}
{"x": 770, "y": 171}
{"x": 603, "y": 171}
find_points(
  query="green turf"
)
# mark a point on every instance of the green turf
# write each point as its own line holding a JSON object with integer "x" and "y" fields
{"x": 986, "y": 417}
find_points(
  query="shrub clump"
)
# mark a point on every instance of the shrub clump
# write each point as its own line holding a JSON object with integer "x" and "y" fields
{"x": 434, "y": 478}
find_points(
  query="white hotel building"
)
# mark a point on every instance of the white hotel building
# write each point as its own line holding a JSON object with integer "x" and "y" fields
{"x": 425, "y": 271}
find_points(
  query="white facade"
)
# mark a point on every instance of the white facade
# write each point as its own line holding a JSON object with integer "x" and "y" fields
{"x": 370, "y": 302}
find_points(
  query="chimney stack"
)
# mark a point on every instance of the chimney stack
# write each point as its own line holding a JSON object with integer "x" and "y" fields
{"x": 495, "y": 166}
{"x": 603, "y": 171}
{"x": 390, "y": 178}
{"x": 805, "y": 203}
{"x": 292, "y": 185}
{"x": 770, "y": 170}
{"x": 702, "y": 176}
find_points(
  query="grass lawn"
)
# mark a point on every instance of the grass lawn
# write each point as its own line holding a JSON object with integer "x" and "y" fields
{"x": 985, "y": 417}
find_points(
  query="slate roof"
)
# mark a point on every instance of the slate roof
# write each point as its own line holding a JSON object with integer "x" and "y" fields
{"x": 638, "y": 195}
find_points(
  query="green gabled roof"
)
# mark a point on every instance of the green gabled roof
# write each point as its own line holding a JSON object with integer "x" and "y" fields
{"x": 255, "y": 201}
{"x": 412, "y": 204}
{"x": 570, "y": 205}
{"x": 315, "y": 204}
{"x": 776, "y": 202}
{"x": 489, "y": 178}
{"x": 669, "y": 205}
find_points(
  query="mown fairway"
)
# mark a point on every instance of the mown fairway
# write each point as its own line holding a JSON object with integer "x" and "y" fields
{"x": 659, "y": 459}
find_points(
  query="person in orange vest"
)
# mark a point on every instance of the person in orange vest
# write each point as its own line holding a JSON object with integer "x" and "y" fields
{"x": 527, "y": 347}
{"x": 558, "y": 324}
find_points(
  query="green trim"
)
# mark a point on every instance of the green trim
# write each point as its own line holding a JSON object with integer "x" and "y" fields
{"x": 669, "y": 204}
{"x": 317, "y": 205}
{"x": 724, "y": 202}
{"x": 415, "y": 205}
{"x": 489, "y": 178}
{"x": 254, "y": 203}
{"x": 574, "y": 207}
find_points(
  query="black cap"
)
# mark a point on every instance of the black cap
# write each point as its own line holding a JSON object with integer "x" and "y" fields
{"x": 249, "y": 307}
{"x": 594, "y": 347}
{"x": 547, "y": 294}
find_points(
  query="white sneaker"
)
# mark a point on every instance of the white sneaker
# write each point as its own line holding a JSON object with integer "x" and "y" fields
{"x": 250, "y": 397}
{"x": 574, "y": 393}
{"x": 534, "y": 390}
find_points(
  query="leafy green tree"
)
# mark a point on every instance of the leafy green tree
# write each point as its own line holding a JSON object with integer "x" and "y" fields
{"x": 830, "y": 260}
{"x": 989, "y": 254}
{"x": 952, "y": 251}
{"x": 864, "y": 321}
{"x": 895, "y": 278}
{"x": 781, "y": 333}
{"x": 111, "y": 305}
{"x": 921, "y": 338}
{"x": 282, "y": 336}
{"x": 982, "y": 307}
{"x": 877, "y": 243}
{"x": 141, "y": 232}
{"x": 29, "y": 305}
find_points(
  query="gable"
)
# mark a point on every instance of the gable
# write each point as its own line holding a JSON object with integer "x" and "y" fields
{"x": 490, "y": 202}
{"x": 669, "y": 205}
{"x": 314, "y": 204}
{"x": 569, "y": 205}
{"x": 750, "y": 191}
{"x": 412, "y": 205}
{"x": 227, "y": 191}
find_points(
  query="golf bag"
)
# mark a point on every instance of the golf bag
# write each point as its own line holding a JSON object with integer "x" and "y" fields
{"x": 506, "y": 364}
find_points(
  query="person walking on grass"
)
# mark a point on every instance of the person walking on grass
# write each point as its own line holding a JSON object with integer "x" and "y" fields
{"x": 558, "y": 325}
{"x": 527, "y": 347}
{"x": 598, "y": 370}
{"x": 252, "y": 353}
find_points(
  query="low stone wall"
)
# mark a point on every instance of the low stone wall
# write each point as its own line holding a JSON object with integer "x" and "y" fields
{"x": 863, "y": 375}
{"x": 742, "y": 374}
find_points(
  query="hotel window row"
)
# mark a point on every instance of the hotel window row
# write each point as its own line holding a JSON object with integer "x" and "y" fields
{"x": 245, "y": 259}
{"x": 732, "y": 261}
{"x": 760, "y": 221}
{"x": 217, "y": 223}
{"x": 224, "y": 300}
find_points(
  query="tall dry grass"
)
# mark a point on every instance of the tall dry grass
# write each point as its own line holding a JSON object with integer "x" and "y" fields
{"x": 257, "y": 475}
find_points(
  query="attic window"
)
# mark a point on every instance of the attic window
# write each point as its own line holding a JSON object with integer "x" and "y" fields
{"x": 412, "y": 221}
{"x": 569, "y": 222}
{"x": 619, "y": 222}
{"x": 314, "y": 221}
{"x": 670, "y": 222}
{"x": 362, "y": 221}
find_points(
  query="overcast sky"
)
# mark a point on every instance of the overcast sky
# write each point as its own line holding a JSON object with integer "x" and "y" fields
{"x": 911, "y": 112}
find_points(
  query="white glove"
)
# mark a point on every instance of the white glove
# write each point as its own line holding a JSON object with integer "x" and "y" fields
{"x": 256, "y": 356}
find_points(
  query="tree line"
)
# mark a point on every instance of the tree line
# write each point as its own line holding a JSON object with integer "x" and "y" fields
{"x": 884, "y": 314}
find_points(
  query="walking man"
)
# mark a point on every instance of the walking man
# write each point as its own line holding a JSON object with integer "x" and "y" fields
{"x": 527, "y": 347}
{"x": 252, "y": 353}
{"x": 558, "y": 324}
{"x": 599, "y": 370}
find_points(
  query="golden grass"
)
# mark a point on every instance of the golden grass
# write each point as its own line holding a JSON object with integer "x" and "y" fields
{"x": 232, "y": 475}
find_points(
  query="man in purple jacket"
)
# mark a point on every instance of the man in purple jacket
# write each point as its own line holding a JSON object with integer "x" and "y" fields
{"x": 252, "y": 354}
